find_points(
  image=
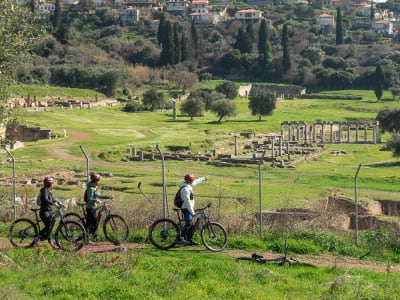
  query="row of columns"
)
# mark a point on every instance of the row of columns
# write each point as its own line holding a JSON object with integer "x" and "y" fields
{"x": 332, "y": 132}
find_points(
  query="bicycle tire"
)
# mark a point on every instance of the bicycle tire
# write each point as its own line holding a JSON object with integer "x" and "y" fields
{"x": 75, "y": 217}
{"x": 70, "y": 236}
{"x": 115, "y": 229}
{"x": 214, "y": 236}
{"x": 276, "y": 261}
{"x": 164, "y": 234}
{"x": 23, "y": 233}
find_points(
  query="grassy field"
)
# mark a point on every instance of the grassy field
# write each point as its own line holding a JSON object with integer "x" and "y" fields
{"x": 182, "y": 273}
{"x": 113, "y": 134}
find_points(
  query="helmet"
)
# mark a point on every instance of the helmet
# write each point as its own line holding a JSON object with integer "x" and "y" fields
{"x": 189, "y": 178}
{"x": 48, "y": 181}
{"x": 95, "y": 177}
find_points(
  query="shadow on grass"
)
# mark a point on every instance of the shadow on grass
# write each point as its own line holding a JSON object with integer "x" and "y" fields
{"x": 236, "y": 121}
{"x": 385, "y": 164}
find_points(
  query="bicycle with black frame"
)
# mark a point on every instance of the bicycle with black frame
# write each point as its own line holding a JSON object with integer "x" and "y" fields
{"x": 115, "y": 228}
{"x": 165, "y": 233}
{"x": 69, "y": 235}
{"x": 279, "y": 261}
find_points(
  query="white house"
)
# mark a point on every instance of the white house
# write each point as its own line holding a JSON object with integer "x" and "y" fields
{"x": 247, "y": 16}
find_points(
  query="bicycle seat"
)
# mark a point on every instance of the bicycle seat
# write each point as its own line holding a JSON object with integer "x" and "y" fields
{"x": 35, "y": 209}
{"x": 177, "y": 209}
{"x": 256, "y": 256}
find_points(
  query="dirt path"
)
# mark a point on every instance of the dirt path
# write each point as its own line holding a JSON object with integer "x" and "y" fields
{"x": 324, "y": 260}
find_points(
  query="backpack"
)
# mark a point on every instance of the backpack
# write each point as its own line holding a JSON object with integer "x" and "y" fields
{"x": 85, "y": 197}
{"x": 39, "y": 199}
{"x": 178, "y": 199}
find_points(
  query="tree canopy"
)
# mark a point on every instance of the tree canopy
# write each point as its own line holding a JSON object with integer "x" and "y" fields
{"x": 262, "y": 103}
{"x": 19, "y": 31}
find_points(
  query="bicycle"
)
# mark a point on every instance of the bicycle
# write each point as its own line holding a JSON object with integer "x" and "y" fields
{"x": 279, "y": 261}
{"x": 69, "y": 235}
{"x": 115, "y": 228}
{"x": 165, "y": 233}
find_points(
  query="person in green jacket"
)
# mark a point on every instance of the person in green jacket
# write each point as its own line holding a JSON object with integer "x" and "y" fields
{"x": 93, "y": 199}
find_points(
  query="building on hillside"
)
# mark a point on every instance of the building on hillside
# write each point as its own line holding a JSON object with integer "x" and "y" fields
{"x": 177, "y": 7}
{"x": 200, "y": 12}
{"x": 326, "y": 23}
{"x": 46, "y": 8}
{"x": 129, "y": 15}
{"x": 247, "y": 16}
{"x": 382, "y": 27}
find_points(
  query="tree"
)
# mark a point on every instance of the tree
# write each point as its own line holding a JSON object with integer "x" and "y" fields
{"x": 394, "y": 145}
{"x": 167, "y": 56}
{"x": 196, "y": 44}
{"x": 184, "y": 50}
{"x": 177, "y": 45}
{"x": 243, "y": 41}
{"x": 389, "y": 120}
{"x": 286, "y": 60}
{"x": 262, "y": 103}
{"x": 206, "y": 95}
{"x": 339, "y": 27}
{"x": 194, "y": 107}
{"x": 19, "y": 33}
{"x": 223, "y": 108}
{"x": 56, "y": 18}
{"x": 227, "y": 88}
{"x": 262, "y": 37}
{"x": 378, "y": 82}
{"x": 153, "y": 100}
{"x": 161, "y": 30}
{"x": 250, "y": 32}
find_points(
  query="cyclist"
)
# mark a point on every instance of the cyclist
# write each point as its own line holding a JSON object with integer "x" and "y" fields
{"x": 93, "y": 196}
{"x": 188, "y": 207}
{"x": 46, "y": 208}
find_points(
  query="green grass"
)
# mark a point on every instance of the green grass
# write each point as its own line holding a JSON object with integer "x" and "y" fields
{"x": 178, "y": 274}
{"x": 114, "y": 133}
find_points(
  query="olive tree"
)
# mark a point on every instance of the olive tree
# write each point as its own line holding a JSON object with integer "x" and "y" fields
{"x": 19, "y": 31}
{"x": 262, "y": 103}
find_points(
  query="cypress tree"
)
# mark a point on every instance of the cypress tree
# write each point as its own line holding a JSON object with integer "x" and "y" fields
{"x": 184, "y": 50}
{"x": 161, "y": 29}
{"x": 250, "y": 32}
{"x": 177, "y": 45}
{"x": 195, "y": 40}
{"x": 339, "y": 27}
{"x": 32, "y": 6}
{"x": 262, "y": 37}
{"x": 243, "y": 41}
{"x": 56, "y": 15}
{"x": 167, "y": 53}
{"x": 286, "y": 61}
{"x": 378, "y": 82}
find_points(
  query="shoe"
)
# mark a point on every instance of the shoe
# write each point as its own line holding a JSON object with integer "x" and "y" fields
{"x": 182, "y": 241}
{"x": 96, "y": 238}
{"x": 193, "y": 243}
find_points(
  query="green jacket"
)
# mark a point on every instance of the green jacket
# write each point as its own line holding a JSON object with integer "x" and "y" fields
{"x": 93, "y": 195}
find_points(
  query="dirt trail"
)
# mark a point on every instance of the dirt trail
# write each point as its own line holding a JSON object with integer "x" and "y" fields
{"x": 324, "y": 260}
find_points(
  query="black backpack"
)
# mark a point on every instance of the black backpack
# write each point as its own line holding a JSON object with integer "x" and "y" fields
{"x": 178, "y": 199}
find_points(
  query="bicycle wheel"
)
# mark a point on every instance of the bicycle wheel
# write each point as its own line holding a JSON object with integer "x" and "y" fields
{"x": 214, "y": 236}
{"x": 163, "y": 233}
{"x": 115, "y": 229}
{"x": 22, "y": 233}
{"x": 70, "y": 236}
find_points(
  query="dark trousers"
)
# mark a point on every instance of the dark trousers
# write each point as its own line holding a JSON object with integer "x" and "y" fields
{"x": 47, "y": 219}
{"x": 187, "y": 229}
{"x": 91, "y": 220}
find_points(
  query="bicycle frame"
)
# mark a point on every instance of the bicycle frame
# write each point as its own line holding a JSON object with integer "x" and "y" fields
{"x": 201, "y": 217}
